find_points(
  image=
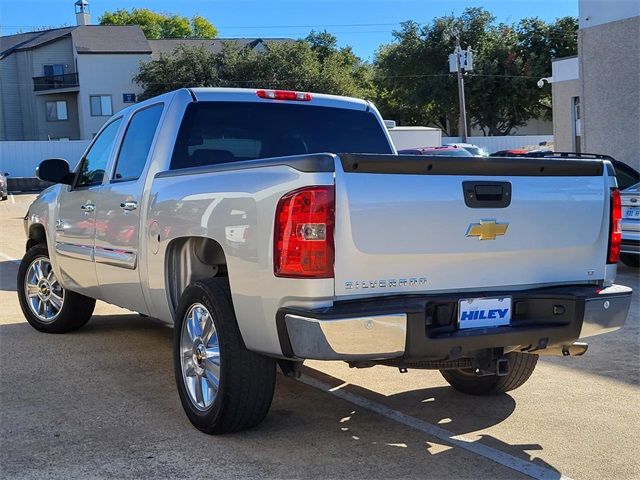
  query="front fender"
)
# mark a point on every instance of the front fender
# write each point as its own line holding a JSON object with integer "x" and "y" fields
{"x": 41, "y": 217}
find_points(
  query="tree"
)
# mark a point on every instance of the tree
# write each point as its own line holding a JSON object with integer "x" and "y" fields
{"x": 187, "y": 66}
{"x": 159, "y": 25}
{"x": 314, "y": 64}
{"x": 414, "y": 85}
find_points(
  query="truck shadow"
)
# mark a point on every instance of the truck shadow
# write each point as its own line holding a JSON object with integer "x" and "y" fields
{"x": 110, "y": 388}
{"x": 443, "y": 407}
{"x": 8, "y": 274}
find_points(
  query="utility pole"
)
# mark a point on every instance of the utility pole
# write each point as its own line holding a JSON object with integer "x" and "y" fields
{"x": 458, "y": 60}
{"x": 463, "y": 109}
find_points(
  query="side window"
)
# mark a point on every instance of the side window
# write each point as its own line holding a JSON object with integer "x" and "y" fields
{"x": 95, "y": 161}
{"x": 137, "y": 143}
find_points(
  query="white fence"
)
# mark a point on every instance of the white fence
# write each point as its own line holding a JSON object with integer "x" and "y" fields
{"x": 495, "y": 144}
{"x": 20, "y": 159}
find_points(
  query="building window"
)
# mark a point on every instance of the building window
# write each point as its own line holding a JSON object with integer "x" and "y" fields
{"x": 57, "y": 111}
{"x": 577, "y": 124}
{"x": 53, "y": 70}
{"x": 101, "y": 105}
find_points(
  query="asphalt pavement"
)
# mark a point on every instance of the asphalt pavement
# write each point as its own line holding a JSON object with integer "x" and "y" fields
{"x": 101, "y": 402}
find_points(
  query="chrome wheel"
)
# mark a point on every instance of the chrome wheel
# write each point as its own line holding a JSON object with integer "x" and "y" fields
{"x": 200, "y": 356}
{"x": 44, "y": 294}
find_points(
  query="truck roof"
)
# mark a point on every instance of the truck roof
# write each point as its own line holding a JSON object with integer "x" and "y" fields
{"x": 220, "y": 94}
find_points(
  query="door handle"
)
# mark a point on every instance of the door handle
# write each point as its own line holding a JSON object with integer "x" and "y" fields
{"x": 88, "y": 207}
{"x": 129, "y": 205}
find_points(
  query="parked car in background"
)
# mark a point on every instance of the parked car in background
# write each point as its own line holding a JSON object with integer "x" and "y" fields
{"x": 630, "y": 247}
{"x": 626, "y": 175}
{"x": 474, "y": 150}
{"x": 3, "y": 186}
{"x": 439, "y": 151}
{"x": 513, "y": 152}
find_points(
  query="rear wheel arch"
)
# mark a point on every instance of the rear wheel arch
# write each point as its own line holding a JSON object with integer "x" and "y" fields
{"x": 190, "y": 259}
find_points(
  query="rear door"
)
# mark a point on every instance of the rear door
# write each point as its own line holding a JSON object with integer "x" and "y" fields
{"x": 418, "y": 224}
{"x": 76, "y": 221}
{"x": 118, "y": 228}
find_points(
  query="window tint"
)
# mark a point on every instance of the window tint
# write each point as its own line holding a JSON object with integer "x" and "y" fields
{"x": 221, "y": 132}
{"x": 137, "y": 142}
{"x": 95, "y": 161}
{"x": 626, "y": 176}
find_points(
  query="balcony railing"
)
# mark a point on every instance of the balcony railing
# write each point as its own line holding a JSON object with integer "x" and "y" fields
{"x": 52, "y": 82}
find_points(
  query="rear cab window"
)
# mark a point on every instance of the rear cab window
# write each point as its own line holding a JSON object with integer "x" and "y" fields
{"x": 222, "y": 132}
{"x": 135, "y": 147}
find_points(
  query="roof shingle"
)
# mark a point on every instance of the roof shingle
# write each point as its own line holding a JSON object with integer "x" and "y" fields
{"x": 110, "y": 39}
{"x": 25, "y": 41}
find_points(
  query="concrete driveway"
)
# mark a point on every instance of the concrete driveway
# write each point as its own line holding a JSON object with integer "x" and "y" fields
{"x": 101, "y": 402}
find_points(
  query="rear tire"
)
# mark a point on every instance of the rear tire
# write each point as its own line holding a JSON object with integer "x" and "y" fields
{"x": 630, "y": 260}
{"x": 521, "y": 366}
{"x": 46, "y": 305}
{"x": 223, "y": 386}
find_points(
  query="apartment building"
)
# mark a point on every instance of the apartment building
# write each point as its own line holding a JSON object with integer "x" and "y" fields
{"x": 64, "y": 83}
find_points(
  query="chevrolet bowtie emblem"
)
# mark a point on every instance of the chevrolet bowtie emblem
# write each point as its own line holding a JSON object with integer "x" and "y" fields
{"x": 487, "y": 229}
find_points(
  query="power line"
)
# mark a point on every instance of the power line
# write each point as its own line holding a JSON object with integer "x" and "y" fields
{"x": 282, "y": 80}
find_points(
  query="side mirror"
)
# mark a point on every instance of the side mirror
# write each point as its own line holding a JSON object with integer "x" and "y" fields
{"x": 55, "y": 170}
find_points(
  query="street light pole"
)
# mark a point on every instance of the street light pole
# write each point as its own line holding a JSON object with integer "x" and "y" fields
{"x": 463, "y": 109}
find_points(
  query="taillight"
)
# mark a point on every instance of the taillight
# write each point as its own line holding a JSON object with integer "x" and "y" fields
{"x": 303, "y": 239}
{"x": 615, "y": 229}
{"x": 284, "y": 95}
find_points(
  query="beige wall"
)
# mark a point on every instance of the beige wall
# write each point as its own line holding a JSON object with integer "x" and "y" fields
{"x": 59, "y": 128}
{"x": 105, "y": 74}
{"x": 610, "y": 75}
{"x": 563, "y": 93}
{"x": 60, "y": 51}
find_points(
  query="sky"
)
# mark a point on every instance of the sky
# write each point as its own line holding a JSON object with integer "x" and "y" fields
{"x": 362, "y": 24}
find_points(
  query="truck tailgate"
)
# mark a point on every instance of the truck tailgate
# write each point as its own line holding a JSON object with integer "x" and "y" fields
{"x": 403, "y": 223}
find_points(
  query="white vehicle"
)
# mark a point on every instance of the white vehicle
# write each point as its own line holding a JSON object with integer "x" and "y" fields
{"x": 233, "y": 216}
{"x": 415, "y": 137}
{"x": 3, "y": 186}
{"x": 474, "y": 150}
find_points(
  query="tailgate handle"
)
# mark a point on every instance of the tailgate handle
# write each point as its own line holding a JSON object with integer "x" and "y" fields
{"x": 487, "y": 194}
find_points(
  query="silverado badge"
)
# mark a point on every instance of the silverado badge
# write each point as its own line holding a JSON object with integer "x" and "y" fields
{"x": 487, "y": 229}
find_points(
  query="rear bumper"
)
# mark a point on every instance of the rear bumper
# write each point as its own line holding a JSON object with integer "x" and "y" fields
{"x": 424, "y": 327}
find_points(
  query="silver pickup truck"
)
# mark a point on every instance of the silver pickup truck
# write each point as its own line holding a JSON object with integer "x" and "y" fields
{"x": 234, "y": 216}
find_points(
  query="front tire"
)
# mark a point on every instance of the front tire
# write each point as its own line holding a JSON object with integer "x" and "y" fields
{"x": 521, "y": 366}
{"x": 223, "y": 386}
{"x": 45, "y": 304}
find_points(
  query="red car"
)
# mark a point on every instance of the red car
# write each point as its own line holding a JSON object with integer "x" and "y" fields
{"x": 514, "y": 152}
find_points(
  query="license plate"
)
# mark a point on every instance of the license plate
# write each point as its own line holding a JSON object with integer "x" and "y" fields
{"x": 631, "y": 212}
{"x": 484, "y": 312}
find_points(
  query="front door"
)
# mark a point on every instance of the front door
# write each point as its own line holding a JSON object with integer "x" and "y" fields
{"x": 118, "y": 219}
{"x": 76, "y": 220}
